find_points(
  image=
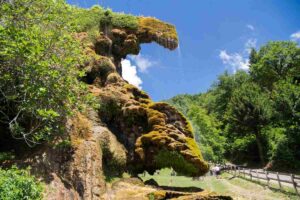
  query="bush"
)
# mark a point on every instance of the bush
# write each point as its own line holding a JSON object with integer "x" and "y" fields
{"x": 87, "y": 20}
{"x": 18, "y": 184}
{"x": 38, "y": 69}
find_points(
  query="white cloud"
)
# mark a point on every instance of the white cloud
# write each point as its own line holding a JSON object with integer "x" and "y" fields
{"x": 238, "y": 60}
{"x": 129, "y": 73}
{"x": 235, "y": 60}
{"x": 142, "y": 62}
{"x": 295, "y": 36}
{"x": 251, "y": 27}
{"x": 251, "y": 43}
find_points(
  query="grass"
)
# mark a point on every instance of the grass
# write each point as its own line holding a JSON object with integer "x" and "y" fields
{"x": 237, "y": 188}
{"x": 273, "y": 185}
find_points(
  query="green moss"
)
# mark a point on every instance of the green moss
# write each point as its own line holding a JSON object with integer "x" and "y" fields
{"x": 163, "y": 107}
{"x": 113, "y": 165}
{"x": 168, "y": 159}
{"x": 118, "y": 20}
{"x": 194, "y": 147}
{"x": 109, "y": 109}
{"x": 97, "y": 18}
{"x": 121, "y": 20}
{"x": 155, "y": 26}
{"x": 155, "y": 118}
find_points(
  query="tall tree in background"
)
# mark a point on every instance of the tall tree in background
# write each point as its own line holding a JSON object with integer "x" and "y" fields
{"x": 223, "y": 89}
{"x": 275, "y": 61}
{"x": 249, "y": 110}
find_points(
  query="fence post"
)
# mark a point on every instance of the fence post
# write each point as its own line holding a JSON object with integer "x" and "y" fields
{"x": 257, "y": 175}
{"x": 268, "y": 180}
{"x": 234, "y": 170}
{"x": 250, "y": 174}
{"x": 244, "y": 172}
{"x": 278, "y": 180}
{"x": 294, "y": 183}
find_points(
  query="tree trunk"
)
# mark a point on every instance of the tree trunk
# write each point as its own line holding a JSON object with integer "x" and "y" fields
{"x": 260, "y": 148}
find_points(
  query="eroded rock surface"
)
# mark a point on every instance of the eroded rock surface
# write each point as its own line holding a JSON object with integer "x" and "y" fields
{"x": 155, "y": 135}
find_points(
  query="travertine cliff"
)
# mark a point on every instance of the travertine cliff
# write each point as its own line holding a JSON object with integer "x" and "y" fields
{"x": 128, "y": 133}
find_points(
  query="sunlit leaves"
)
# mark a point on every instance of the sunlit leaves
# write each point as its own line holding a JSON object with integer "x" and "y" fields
{"x": 39, "y": 61}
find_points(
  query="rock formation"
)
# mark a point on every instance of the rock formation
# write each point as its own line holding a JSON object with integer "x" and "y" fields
{"x": 151, "y": 132}
{"x": 129, "y": 132}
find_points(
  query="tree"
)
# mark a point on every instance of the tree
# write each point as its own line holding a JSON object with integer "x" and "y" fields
{"x": 39, "y": 84}
{"x": 223, "y": 89}
{"x": 249, "y": 110}
{"x": 207, "y": 133}
{"x": 286, "y": 97}
{"x": 275, "y": 61}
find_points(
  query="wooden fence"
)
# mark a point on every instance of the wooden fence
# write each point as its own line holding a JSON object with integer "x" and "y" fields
{"x": 282, "y": 179}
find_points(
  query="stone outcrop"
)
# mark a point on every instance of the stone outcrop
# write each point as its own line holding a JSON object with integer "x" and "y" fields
{"x": 151, "y": 132}
{"x": 117, "y": 43}
{"x": 129, "y": 132}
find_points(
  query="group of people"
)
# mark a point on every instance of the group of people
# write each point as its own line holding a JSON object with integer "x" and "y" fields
{"x": 215, "y": 171}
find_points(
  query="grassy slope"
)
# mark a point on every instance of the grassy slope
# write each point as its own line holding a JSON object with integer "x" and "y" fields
{"x": 236, "y": 187}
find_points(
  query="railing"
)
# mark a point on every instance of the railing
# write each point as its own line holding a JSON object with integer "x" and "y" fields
{"x": 267, "y": 176}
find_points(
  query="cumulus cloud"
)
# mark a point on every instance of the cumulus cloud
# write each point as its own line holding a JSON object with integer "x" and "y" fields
{"x": 235, "y": 60}
{"x": 251, "y": 43}
{"x": 129, "y": 73}
{"x": 251, "y": 27}
{"x": 295, "y": 36}
{"x": 142, "y": 62}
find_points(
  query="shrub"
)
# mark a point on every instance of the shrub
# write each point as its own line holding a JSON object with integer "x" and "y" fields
{"x": 18, "y": 184}
{"x": 39, "y": 78}
{"x": 6, "y": 156}
{"x": 87, "y": 20}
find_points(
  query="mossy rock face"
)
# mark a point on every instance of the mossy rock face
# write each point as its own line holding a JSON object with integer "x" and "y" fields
{"x": 151, "y": 29}
{"x": 155, "y": 135}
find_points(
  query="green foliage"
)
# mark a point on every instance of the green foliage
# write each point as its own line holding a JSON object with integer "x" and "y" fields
{"x": 222, "y": 92}
{"x": 206, "y": 127}
{"x": 18, "y": 184}
{"x": 249, "y": 109}
{"x": 95, "y": 18}
{"x": 207, "y": 133}
{"x": 257, "y": 114}
{"x": 6, "y": 156}
{"x": 64, "y": 144}
{"x": 121, "y": 20}
{"x": 38, "y": 68}
{"x": 86, "y": 20}
{"x": 275, "y": 61}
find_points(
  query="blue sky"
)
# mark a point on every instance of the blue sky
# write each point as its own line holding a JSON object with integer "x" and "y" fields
{"x": 215, "y": 36}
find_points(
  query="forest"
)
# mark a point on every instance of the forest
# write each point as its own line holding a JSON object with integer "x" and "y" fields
{"x": 251, "y": 118}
